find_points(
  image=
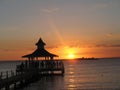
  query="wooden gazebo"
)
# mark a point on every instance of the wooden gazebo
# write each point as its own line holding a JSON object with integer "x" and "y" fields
{"x": 40, "y": 52}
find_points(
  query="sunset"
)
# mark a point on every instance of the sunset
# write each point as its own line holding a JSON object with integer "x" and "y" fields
{"x": 79, "y": 39}
{"x": 91, "y": 27}
{"x": 71, "y": 56}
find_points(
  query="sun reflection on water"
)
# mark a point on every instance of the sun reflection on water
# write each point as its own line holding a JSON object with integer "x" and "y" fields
{"x": 71, "y": 79}
{"x": 71, "y": 72}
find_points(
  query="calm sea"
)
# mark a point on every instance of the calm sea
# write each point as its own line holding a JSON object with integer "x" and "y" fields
{"x": 101, "y": 74}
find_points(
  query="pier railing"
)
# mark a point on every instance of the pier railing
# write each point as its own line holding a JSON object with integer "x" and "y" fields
{"x": 7, "y": 74}
{"x": 51, "y": 67}
{"x": 47, "y": 64}
{"x": 43, "y": 65}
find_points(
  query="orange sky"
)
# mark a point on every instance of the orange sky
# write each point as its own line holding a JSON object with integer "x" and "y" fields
{"x": 15, "y": 53}
{"x": 84, "y": 28}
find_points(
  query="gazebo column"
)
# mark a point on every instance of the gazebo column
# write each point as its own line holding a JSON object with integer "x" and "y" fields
{"x": 47, "y": 58}
{"x": 36, "y": 58}
{"x": 29, "y": 58}
{"x": 51, "y": 58}
{"x": 32, "y": 58}
{"x": 29, "y": 61}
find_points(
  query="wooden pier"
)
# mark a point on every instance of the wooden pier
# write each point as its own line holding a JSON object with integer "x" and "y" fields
{"x": 30, "y": 71}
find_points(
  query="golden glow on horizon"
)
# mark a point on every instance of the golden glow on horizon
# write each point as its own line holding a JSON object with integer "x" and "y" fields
{"x": 70, "y": 52}
{"x": 71, "y": 56}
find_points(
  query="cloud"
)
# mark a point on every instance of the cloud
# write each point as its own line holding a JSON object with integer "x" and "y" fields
{"x": 101, "y": 5}
{"x": 114, "y": 36}
{"x": 106, "y": 4}
{"x": 10, "y": 28}
{"x": 116, "y": 45}
{"x": 50, "y": 10}
{"x": 15, "y": 49}
{"x": 8, "y": 50}
{"x": 52, "y": 47}
{"x": 108, "y": 45}
{"x": 109, "y": 35}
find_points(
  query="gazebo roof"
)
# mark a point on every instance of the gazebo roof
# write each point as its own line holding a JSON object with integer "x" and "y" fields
{"x": 40, "y": 51}
{"x": 40, "y": 42}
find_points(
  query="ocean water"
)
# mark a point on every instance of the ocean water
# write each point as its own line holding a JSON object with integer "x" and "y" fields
{"x": 103, "y": 74}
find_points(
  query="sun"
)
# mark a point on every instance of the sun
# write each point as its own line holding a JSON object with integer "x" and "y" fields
{"x": 71, "y": 56}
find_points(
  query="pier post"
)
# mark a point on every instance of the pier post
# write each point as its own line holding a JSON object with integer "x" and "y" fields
{"x": 1, "y": 75}
{"x": 14, "y": 86}
{"x": 63, "y": 71}
{"x": 7, "y": 87}
{"x": 7, "y": 74}
{"x": 12, "y": 73}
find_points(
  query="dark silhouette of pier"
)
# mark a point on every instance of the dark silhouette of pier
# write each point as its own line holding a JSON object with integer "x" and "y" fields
{"x": 25, "y": 75}
{"x": 32, "y": 69}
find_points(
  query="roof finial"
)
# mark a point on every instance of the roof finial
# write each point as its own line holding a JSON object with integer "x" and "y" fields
{"x": 40, "y": 44}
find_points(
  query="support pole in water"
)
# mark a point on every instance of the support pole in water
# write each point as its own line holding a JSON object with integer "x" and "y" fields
{"x": 14, "y": 86}
{"x": 7, "y": 87}
{"x": 7, "y": 74}
{"x": 1, "y": 75}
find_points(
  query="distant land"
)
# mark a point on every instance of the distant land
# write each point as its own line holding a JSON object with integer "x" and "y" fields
{"x": 93, "y": 58}
{"x": 110, "y": 58}
{"x": 84, "y": 58}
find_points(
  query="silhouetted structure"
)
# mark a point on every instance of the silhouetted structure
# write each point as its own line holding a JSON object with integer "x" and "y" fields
{"x": 32, "y": 70}
{"x": 40, "y": 52}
